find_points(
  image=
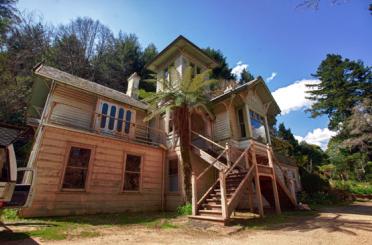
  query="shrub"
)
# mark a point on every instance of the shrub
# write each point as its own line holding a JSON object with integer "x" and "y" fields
{"x": 185, "y": 209}
{"x": 362, "y": 188}
{"x": 313, "y": 183}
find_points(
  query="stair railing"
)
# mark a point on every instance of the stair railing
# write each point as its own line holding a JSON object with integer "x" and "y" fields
{"x": 225, "y": 152}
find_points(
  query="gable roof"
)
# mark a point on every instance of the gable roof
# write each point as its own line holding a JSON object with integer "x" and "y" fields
{"x": 183, "y": 44}
{"x": 77, "y": 82}
{"x": 264, "y": 90}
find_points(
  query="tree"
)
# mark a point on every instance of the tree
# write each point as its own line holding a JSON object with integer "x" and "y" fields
{"x": 343, "y": 84}
{"x": 179, "y": 95}
{"x": 67, "y": 54}
{"x": 246, "y": 76}
{"x": 222, "y": 71}
{"x": 8, "y": 16}
{"x": 148, "y": 54}
{"x": 119, "y": 62}
{"x": 287, "y": 135}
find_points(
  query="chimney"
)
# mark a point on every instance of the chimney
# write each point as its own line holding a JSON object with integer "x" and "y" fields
{"x": 133, "y": 82}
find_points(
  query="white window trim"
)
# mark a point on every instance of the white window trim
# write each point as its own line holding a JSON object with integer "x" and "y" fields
{"x": 100, "y": 103}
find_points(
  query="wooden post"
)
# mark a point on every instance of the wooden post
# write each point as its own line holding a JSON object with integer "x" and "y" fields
{"x": 273, "y": 181}
{"x": 293, "y": 189}
{"x": 224, "y": 207}
{"x": 257, "y": 182}
{"x": 250, "y": 196}
{"x": 228, "y": 154}
{"x": 194, "y": 194}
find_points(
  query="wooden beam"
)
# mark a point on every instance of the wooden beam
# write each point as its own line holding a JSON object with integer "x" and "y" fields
{"x": 194, "y": 198}
{"x": 273, "y": 180}
{"x": 224, "y": 207}
{"x": 257, "y": 182}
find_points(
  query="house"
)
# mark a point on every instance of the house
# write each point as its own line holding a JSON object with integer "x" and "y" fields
{"x": 94, "y": 153}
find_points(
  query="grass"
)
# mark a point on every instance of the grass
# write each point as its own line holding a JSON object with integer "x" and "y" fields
{"x": 61, "y": 228}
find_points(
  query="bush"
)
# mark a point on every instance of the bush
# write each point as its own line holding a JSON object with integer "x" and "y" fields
{"x": 185, "y": 209}
{"x": 313, "y": 183}
{"x": 361, "y": 188}
{"x": 332, "y": 196}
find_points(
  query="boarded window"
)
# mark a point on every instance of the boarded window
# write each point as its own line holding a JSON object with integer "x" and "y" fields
{"x": 173, "y": 175}
{"x": 132, "y": 175}
{"x": 77, "y": 168}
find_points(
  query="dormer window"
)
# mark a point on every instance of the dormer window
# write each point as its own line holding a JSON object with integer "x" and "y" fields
{"x": 114, "y": 118}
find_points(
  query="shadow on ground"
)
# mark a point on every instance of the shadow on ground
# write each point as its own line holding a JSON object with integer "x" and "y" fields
{"x": 331, "y": 219}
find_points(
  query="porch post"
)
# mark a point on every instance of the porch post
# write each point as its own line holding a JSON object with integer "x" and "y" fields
{"x": 257, "y": 182}
{"x": 194, "y": 198}
{"x": 224, "y": 207}
{"x": 273, "y": 180}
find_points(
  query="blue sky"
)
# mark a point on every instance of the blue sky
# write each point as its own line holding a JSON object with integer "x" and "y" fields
{"x": 267, "y": 35}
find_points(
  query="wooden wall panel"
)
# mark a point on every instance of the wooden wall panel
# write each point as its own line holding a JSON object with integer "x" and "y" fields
{"x": 103, "y": 191}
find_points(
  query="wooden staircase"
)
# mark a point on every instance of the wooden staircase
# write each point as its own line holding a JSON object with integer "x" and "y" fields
{"x": 237, "y": 173}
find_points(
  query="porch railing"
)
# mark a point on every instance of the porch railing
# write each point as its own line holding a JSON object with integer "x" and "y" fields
{"x": 90, "y": 121}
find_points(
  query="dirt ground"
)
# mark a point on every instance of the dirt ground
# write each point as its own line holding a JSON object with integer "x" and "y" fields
{"x": 334, "y": 225}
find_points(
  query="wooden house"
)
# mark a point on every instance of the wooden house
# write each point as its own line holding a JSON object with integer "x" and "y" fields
{"x": 94, "y": 153}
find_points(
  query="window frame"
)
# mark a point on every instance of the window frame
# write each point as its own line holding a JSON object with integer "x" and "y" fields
{"x": 245, "y": 122}
{"x": 118, "y": 106}
{"x": 142, "y": 156}
{"x": 92, "y": 149}
{"x": 263, "y": 123}
{"x": 178, "y": 177}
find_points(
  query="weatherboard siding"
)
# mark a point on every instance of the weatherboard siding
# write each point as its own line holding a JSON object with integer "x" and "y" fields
{"x": 103, "y": 189}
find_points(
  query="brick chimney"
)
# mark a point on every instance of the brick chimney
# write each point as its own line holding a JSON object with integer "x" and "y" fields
{"x": 133, "y": 82}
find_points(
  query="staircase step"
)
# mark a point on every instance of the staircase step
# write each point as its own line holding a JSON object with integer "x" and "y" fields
{"x": 216, "y": 200}
{"x": 212, "y": 206}
{"x": 208, "y": 218}
{"x": 210, "y": 212}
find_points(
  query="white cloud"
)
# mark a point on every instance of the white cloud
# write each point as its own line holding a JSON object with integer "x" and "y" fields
{"x": 237, "y": 70}
{"x": 319, "y": 136}
{"x": 273, "y": 75}
{"x": 293, "y": 97}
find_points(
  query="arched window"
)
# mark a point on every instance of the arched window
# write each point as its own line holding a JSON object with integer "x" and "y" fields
{"x": 120, "y": 120}
{"x": 112, "y": 117}
{"x": 104, "y": 113}
{"x": 127, "y": 121}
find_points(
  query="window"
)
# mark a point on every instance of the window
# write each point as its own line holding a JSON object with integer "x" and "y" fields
{"x": 76, "y": 168}
{"x": 173, "y": 175}
{"x": 114, "y": 118}
{"x": 258, "y": 126}
{"x": 132, "y": 173}
{"x": 4, "y": 165}
{"x": 241, "y": 123}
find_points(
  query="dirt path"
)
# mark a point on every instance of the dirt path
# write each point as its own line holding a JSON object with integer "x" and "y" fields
{"x": 337, "y": 225}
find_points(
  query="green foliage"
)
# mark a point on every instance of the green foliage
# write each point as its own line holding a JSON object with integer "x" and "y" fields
{"x": 331, "y": 197}
{"x": 246, "y": 76}
{"x": 343, "y": 84}
{"x": 9, "y": 214}
{"x": 179, "y": 94}
{"x": 185, "y": 209}
{"x": 222, "y": 71}
{"x": 355, "y": 187}
{"x": 312, "y": 182}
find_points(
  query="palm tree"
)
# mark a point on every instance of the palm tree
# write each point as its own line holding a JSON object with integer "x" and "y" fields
{"x": 179, "y": 95}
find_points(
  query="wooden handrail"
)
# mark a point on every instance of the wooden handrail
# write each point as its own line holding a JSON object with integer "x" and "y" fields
{"x": 207, "y": 139}
{"x": 204, "y": 171}
{"x": 239, "y": 158}
{"x": 215, "y": 159}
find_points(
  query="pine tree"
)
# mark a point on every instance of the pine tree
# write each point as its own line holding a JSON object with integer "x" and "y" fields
{"x": 246, "y": 76}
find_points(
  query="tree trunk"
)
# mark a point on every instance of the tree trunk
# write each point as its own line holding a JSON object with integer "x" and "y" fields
{"x": 182, "y": 126}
